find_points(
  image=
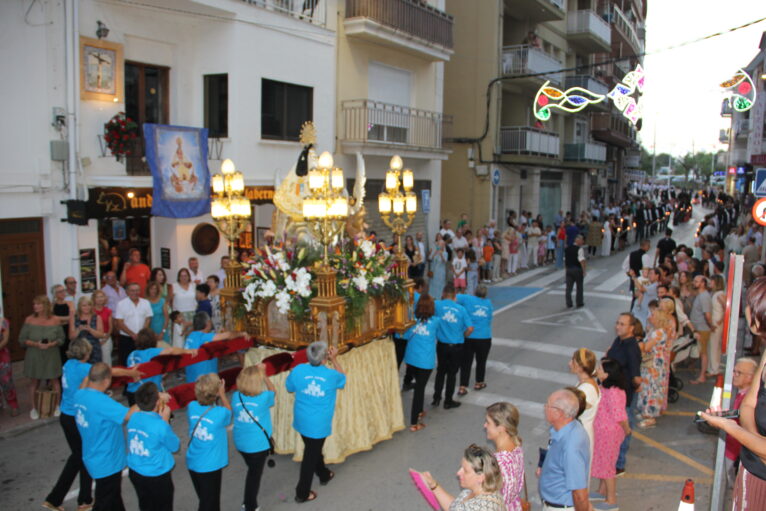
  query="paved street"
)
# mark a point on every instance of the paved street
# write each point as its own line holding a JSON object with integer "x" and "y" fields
{"x": 534, "y": 338}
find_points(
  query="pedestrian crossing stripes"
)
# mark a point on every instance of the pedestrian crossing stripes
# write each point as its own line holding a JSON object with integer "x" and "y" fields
{"x": 541, "y": 347}
{"x": 590, "y": 276}
{"x": 590, "y": 294}
{"x": 530, "y": 372}
{"x": 613, "y": 282}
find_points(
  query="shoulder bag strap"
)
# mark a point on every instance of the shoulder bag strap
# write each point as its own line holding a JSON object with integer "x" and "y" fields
{"x": 191, "y": 437}
{"x": 265, "y": 433}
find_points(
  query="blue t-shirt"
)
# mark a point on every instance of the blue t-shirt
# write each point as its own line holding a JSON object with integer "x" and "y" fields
{"x": 565, "y": 468}
{"x": 480, "y": 310}
{"x": 99, "y": 419}
{"x": 139, "y": 357}
{"x": 151, "y": 444}
{"x": 248, "y": 437}
{"x": 73, "y": 373}
{"x": 421, "y": 343}
{"x": 205, "y": 306}
{"x": 209, "y": 449}
{"x": 315, "y": 390}
{"x": 194, "y": 341}
{"x": 455, "y": 322}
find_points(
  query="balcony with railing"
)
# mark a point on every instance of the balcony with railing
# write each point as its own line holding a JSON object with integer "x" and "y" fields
{"x": 373, "y": 123}
{"x": 723, "y": 136}
{"x": 590, "y": 83}
{"x": 310, "y": 11}
{"x": 585, "y": 152}
{"x": 413, "y": 26}
{"x": 588, "y": 32}
{"x": 523, "y": 59}
{"x": 742, "y": 128}
{"x": 625, "y": 29}
{"x": 525, "y": 140}
{"x": 536, "y": 10}
{"x": 613, "y": 129}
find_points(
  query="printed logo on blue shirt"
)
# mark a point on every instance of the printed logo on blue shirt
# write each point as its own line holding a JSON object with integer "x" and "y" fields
{"x": 314, "y": 389}
{"x": 480, "y": 312}
{"x": 244, "y": 417}
{"x": 449, "y": 317}
{"x": 203, "y": 434}
{"x": 81, "y": 419}
{"x": 137, "y": 447}
{"x": 421, "y": 329}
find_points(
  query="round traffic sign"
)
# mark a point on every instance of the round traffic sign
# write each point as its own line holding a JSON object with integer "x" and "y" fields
{"x": 496, "y": 177}
{"x": 759, "y": 211}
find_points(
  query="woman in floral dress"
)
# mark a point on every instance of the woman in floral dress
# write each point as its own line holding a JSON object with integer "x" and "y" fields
{"x": 501, "y": 424}
{"x": 609, "y": 430}
{"x": 655, "y": 367}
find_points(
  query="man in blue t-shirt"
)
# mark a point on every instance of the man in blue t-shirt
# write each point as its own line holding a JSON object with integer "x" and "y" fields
{"x": 99, "y": 419}
{"x": 480, "y": 309}
{"x": 454, "y": 327}
{"x": 315, "y": 386}
{"x": 151, "y": 444}
{"x": 203, "y": 334}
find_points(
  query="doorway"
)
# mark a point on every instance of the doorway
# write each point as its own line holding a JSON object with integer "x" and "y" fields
{"x": 550, "y": 200}
{"x": 22, "y": 261}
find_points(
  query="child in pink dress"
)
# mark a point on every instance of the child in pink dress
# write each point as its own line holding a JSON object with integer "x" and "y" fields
{"x": 609, "y": 429}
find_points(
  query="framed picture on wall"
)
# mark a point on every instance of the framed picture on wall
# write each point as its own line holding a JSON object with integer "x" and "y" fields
{"x": 101, "y": 70}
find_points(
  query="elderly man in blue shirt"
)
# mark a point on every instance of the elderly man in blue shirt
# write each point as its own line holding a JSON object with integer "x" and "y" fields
{"x": 563, "y": 480}
{"x": 455, "y": 326}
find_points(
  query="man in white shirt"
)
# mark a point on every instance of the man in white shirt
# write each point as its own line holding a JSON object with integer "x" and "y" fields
{"x": 133, "y": 314}
{"x": 113, "y": 291}
{"x": 221, "y": 273}
{"x": 71, "y": 290}
{"x": 459, "y": 241}
{"x": 709, "y": 229}
{"x": 446, "y": 229}
{"x": 196, "y": 274}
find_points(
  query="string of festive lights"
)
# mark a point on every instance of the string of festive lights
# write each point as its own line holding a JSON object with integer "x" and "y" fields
{"x": 741, "y": 91}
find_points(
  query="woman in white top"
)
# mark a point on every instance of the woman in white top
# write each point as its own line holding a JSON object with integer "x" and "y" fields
{"x": 718, "y": 311}
{"x": 606, "y": 241}
{"x": 185, "y": 295}
{"x": 583, "y": 365}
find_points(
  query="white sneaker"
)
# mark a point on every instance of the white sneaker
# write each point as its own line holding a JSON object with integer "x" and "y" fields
{"x": 57, "y": 412}
{"x": 34, "y": 414}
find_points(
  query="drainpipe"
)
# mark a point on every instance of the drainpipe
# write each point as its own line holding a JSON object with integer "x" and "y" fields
{"x": 71, "y": 34}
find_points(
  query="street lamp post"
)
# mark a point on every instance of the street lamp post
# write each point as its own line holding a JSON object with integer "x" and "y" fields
{"x": 397, "y": 207}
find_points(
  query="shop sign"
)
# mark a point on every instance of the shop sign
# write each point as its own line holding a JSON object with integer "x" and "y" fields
{"x": 260, "y": 194}
{"x": 758, "y": 159}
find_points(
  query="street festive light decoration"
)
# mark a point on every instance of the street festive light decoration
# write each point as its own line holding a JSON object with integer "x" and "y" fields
{"x": 325, "y": 208}
{"x": 229, "y": 208}
{"x": 397, "y": 206}
{"x": 623, "y": 94}
{"x": 741, "y": 91}
{"x": 571, "y": 100}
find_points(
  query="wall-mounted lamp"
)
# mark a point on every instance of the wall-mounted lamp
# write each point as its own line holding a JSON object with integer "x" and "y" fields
{"x": 102, "y": 32}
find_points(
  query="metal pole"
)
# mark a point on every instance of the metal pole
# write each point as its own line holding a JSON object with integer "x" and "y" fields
{"x": 735, "y": 285}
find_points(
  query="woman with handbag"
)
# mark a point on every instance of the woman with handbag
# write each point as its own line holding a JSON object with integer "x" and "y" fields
{"x": 207, "y": 452}
{"x": 502, "y": 427}
{"x": 252, "y": 427}
{"x": 41, "y": 337}
{"x": 481, "y": 480}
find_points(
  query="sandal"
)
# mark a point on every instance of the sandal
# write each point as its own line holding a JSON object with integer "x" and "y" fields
{"x": 698, "y": 381}
{"x": 324, "y": 483}
{"x": 48, "y": 505}
{"x": 417, "y": 427}
{"x": 312, "y": 496}
{"x": 421, "y": 415}
{"x": 85, "y": 507}
{"x": 647, "y": 423}
{"x": 462, "y": 391}
{"x": 480, "y": 386}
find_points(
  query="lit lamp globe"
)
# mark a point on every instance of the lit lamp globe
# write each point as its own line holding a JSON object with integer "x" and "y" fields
{"x": 227, "y": 167}
{"x": 408, "y": 180}
{"x": 396, "y": 163}
{"x": 392, "y": 181}
{"x": 325, "y": 161}
{"x": 237, "y": 182}
{"x": 218, "y": 183}
{"x": 411, "y": 203}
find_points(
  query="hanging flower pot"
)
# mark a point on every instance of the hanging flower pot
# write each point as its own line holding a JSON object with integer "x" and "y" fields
{"x": 119, "y": 133}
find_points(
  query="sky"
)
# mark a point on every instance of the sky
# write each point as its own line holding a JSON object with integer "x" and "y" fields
{"x": 682, "y": 100}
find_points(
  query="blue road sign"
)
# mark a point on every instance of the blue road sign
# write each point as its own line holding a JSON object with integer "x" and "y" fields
{"x": 496, "y": 177}
{"x": 425, "y": 198}
{"x": 760, "y": 182}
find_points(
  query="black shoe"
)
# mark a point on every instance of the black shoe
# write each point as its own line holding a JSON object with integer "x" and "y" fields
{"x": 451, "y": 404}
{"x": 436, "y": 401}
{"x": 580, "y": 306}
{"x": 408, "y": 386}
{"x": 324, "y": 483}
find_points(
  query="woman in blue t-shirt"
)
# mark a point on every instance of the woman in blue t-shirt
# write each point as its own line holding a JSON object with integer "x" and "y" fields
{"x": 208, "y": 450}
{"x": 315, "y": 386}
{"x": 252, "y": 426}
{"x": 74, "y": 374}
{"x": 203, "y": 334}
{"x": 420, "y": 355}
{"x": 146, "y": 349}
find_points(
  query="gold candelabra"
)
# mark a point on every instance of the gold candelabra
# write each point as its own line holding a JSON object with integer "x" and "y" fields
{"x": 397, "y": 208}
{"x": 229, "y": 208}
{"x": 325, "y": 209}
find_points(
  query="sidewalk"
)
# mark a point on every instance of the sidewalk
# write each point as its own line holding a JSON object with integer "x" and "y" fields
{"x": 12, "y": 426}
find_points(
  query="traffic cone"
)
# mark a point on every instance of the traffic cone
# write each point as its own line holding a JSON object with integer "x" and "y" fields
{"x": 687, "y": 497}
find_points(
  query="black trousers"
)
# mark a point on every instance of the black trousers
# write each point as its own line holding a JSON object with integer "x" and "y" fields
{"x": 208, "y": 488}
{"x": 109, "y": 493}
{"x": 313, "y": 463}
{"x": 72, "y": 467}
{"x": 401, "y": 347}
{"x": 125, "y": 345}
{"x": 154, "y": 493}
{"x": 255, "y": 462}
{"x": 448, "y": 359}
{"x": 480, "y": 349}
{"x": 574, "y": 276}
{"x": 418, "y": 397}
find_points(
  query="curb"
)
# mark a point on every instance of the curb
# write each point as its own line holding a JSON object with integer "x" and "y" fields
{"x": 29, "y": 426}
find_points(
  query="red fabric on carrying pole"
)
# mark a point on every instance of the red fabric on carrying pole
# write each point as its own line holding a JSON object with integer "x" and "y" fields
{"x": 729, "y": 295}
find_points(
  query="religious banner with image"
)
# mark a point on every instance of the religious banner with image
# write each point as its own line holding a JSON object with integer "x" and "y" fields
{"x": 177, "y": 157}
